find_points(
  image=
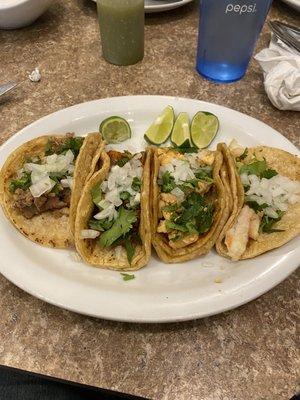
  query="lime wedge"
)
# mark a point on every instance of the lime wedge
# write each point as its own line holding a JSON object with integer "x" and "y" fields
{"x": 204, "y": 128}
{"x": 161, "y": 128}
{"x": 115, "y": 130}
{"x": 180, "y": 136}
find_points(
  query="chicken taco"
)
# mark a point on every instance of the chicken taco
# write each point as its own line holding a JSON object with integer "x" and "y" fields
{"x": 189, "y": 204}
{"x": 112, "y": 227}
{"x": 41, "y": 182}
{"x": 265, "y": 194}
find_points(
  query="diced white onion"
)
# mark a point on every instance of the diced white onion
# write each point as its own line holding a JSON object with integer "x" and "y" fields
{"x": 42, "y": 186}
{"x": 120, "y": 180}
{"x": 108, "y": 212}
{"x": 35, "y": 167}
{"x": 179, "y": 194}
{"x": 277, "y": 192}
{"x": 270, "y": 212}
{"x": 89, "y": 234}
{"x": 103, "y": 204}
{"x": 40, "y": 179}
{"x": 67, "y": 183}
{"x": 119, "y": 252}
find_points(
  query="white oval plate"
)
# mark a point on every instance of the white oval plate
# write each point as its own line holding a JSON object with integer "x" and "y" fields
{"x": 159, "y": 292}
{"x": 293, "y": 3}
{"x": 152, "y": 6}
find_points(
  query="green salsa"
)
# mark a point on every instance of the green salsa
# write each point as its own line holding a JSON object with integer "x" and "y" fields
{"x": 122, "y": 30}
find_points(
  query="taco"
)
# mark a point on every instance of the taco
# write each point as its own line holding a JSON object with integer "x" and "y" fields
{"x": 112, "y": 227}
{"x": 265, "y": 194}
{"x": 41, "y": 182}
{"x": 189, "y": 203}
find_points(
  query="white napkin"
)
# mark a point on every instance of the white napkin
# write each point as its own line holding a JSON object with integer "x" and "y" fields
{"x": 281, "y": 66}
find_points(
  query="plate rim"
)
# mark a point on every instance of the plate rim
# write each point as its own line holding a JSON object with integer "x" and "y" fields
{"x": 280, "y": 275}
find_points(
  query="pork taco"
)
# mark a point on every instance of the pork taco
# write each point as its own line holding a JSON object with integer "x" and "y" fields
{"x": 112, "y": 227}
{"x": 265, "y": 195}
{"x": 41, "y": 182}
{"x": 189, "y": 203}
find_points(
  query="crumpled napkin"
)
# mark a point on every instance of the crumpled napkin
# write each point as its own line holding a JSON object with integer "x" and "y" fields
{"x": 281, "y": 66}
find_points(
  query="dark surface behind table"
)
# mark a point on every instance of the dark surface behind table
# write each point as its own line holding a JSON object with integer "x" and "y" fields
{"x": 16, "y": 384}
{"x": 248, "y": 353}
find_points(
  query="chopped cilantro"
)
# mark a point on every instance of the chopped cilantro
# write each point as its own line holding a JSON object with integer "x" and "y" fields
{"x": 20, "y": 183}
{"x": 178, "y": 227}
{"x": 101, "y": 224}
{"x": 96, "y": 193}
{"x": 267, "y": 223}
{"x": 127, "y": 277}
{"x": 184, "y": 150}
{"x": 121, "y": 226}
{"x": 168, "y": 182}
{"x": 258, "y": 168}
{"x": 171, "y": 207}
{"x": 185, "y": 186}
{"x": 125, "y": 195}
{"x": 48, "y": 147}
{"x": 73, "y": 143}
{"x": 130, "y": 250}
{"x": 268, "y": 173}
{"x": 242, "y": 156}
{"x": 57, "y": 189}
{"x": 204, "y": 174}
{"x": 57, "y": 176}
{"x": 255, "y": 206}
{"x": 124, "y": 160}
{"x": 136, "y": 184}
{"x": 194, "y": 216}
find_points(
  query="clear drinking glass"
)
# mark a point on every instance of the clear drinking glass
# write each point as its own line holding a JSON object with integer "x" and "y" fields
{"x": 122, "y": 30}
{"x": 228, "y": 32}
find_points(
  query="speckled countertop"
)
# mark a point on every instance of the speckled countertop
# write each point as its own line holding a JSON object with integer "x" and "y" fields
{"x": 248, "y": 353}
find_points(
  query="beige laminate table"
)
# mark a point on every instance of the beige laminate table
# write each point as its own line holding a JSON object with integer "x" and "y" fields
{"x": 248, "y": 353}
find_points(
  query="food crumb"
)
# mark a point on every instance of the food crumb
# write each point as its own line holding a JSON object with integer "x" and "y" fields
{"x": 218, "y": 279}
{"x": 35, "y": 75}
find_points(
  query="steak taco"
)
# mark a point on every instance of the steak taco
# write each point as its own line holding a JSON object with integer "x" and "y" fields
{"x": 112, "y": 227}
{"x": 189, "y": 204}
{"x": 41, "y": 182}
{"x": 265, "y": 196}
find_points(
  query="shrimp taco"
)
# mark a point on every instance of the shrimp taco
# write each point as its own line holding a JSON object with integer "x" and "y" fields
{"x": 265, "y": 200}
{"x": 41, "y": 182}
{"x": 112, "y": 227}
{"x": 189, "y": 204}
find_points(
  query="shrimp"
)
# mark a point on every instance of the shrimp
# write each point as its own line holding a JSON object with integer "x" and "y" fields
{"x": 166, "y": 157}
{"x": 168, "y": 198}
{"x": 237, "y": 237}
{"x": 162, "y": 227}
{"x": 254, "y": 226}
{"x": 203, "y": 187}
{"x": 206, "y": 157}
{"x": 235, "y": 148}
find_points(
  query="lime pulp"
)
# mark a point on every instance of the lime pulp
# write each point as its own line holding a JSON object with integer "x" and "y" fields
{"x": 160, "y": 130}
{"x": 204, "y": 128}
{"x": 115, "y": 129}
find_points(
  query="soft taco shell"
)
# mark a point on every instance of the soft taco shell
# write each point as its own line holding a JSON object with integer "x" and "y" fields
{"x": 285, "y": 164}
{"x": 89, "y": 249}
{"x": 50, "y": 228}
{"x": 86, "y": 165}
{"x": 206, "y": 241}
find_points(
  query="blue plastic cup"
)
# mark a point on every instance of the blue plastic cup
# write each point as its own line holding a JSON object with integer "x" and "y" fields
{"x": 228, "y": 31}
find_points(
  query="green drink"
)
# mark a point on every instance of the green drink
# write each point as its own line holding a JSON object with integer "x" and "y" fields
{"x": 122, "y": 30}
